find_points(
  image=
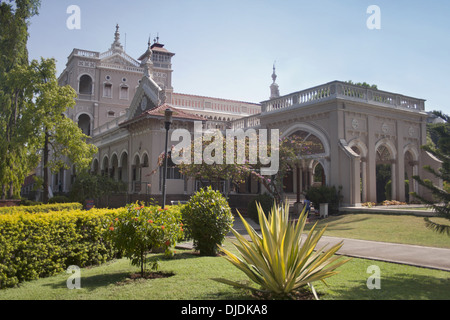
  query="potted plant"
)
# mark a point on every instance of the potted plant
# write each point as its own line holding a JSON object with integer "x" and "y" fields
{"x": 324, "y": 198}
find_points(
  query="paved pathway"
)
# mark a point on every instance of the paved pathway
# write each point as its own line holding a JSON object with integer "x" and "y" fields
{"x": 428, "y": 257}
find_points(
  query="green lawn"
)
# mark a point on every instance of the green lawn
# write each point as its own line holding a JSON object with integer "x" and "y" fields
{"x": 387, "y": 228}
{"x": 193, "y": 274}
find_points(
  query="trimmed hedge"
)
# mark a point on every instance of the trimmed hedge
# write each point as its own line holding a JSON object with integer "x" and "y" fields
{"x": 44, "y": 244}
{"x": 42, "y": 208}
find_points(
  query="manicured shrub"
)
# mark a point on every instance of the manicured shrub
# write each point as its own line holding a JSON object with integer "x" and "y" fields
{"x": 59, "y": 199}
{"x": 26, "y": 202}
{"x": 44, "y": 244}
{"x": 265, "y": 200}
{"x": 207, "y": 218}
{"x": 138, "y": 229}
{"x": 43, "y": 208}
{"x": 325, "y": 194}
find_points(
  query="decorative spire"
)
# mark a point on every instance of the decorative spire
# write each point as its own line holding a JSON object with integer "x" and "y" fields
{"x": 274, "y": 90}
{"x": 116, "y": 44}
{"x": 146, "y": 59}
{"x": 274, "y": 75}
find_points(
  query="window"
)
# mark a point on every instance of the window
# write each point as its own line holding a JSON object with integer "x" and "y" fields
{"x": 84, "y": 123}
{"x": 173, "y": 173}
{"x": 85, "y": 85}
{"x": 107, "y": 90}
{"x": 124, "y": 93}
{"x": 111, "y": 114}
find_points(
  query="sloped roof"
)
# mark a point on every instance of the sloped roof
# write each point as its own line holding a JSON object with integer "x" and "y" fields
{"x": 159, "y": 112}
{"x": 177, "y": 114}
{"x": 160, "y": 47}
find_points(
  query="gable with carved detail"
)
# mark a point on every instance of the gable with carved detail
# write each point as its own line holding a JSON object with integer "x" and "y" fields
{"x": 147, "y": 97}
{"x": 117, "y": 59}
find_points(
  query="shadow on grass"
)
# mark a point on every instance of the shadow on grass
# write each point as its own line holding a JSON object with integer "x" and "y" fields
{"x": 397, "y": 287}
{"x": 333, "y": 223}
{"x": 102, "y": 280}
{"x": 96, "y": 281}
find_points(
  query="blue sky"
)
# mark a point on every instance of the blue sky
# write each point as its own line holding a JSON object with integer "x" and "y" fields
{"x": 226, "y": 49}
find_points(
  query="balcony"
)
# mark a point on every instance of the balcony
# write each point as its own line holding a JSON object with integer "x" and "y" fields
{"x": 342, "y": 90}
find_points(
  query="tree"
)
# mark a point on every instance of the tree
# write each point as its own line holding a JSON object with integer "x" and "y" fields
{"x": 363, "y": 84}
{"x": 214, "y": 173}
{"x": 17, "y": 155}
{"x": 292, "y": 151}
{"x": 31, "y": 107}
{"x": 441, "y": 150}
{"x": 61, "y": 140}
{"x": 92, "y": 186}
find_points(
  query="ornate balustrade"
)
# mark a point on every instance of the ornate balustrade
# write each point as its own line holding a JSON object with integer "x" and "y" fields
{"x": 343, "y": 90}
{"x": 246, "y": 123}
{"x": 86, "y": 53}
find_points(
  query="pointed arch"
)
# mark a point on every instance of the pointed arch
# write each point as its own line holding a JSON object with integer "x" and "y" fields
{"x": 312, "y": 130}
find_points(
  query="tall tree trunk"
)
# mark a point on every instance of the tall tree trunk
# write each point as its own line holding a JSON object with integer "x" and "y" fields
{"x": 46, "y": 156}
{"x": 11, "y": 190}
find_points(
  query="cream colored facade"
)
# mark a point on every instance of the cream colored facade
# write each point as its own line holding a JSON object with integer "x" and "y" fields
{"x": 114, "y": 90}
{"x": 121, "y": 102}
{"x": 359, "y": 128}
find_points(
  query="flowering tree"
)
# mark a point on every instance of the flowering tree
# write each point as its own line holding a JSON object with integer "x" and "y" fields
{"x": 292, "y": 151}
{"x": 138, "y": 229}
{"x": 215, "y": 171}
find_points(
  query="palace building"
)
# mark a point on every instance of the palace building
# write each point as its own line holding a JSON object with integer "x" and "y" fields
{"x": 121, "y": 103}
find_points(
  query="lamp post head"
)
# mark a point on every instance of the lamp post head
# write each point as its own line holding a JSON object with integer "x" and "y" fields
{"x": 168, "y": 114}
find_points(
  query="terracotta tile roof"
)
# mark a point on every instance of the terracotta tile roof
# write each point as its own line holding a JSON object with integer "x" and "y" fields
{"x": 177, "y": 114}
{"x": 160, "y": 47}
{"x": 159, "y": 113}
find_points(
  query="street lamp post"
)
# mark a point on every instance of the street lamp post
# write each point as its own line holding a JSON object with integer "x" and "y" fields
{"x": 168, "y": 115}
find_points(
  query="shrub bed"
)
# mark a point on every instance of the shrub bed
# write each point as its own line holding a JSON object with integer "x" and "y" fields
{"x": 139, "y": 229}
{"x": 42, "y": 208}
{"x": 208, "y": 219}
{"x": 44, "y": 244}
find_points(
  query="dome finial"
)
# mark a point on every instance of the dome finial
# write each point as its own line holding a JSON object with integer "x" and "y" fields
{"x": 274, "y": 90}
{"x": 274, "y": 74}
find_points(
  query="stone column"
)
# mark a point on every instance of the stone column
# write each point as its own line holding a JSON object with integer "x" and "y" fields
{"x": 364, "y": 180}
{"x": 400, "y": 164}
{"x": 394, "y": 184}
{"x": 371, "y": 161}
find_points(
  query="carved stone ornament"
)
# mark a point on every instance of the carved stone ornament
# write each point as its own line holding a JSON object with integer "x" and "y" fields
{"x": 144, "y": 103}
{"x": 385, "y": 128}
{"x": 355, "y": 124}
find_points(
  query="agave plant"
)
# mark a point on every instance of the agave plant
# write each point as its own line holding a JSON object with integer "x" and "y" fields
{"x": 279, "y": 260}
